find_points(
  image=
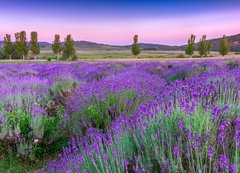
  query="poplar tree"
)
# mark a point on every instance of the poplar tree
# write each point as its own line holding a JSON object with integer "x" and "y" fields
{"x": 190, "y": 47}
{"x": 21, "y": 44}
{"x": 56, "y": 46}
{"x": 69, "y": 49}
{"x": 202, "y": 47}
{"x": 224, "y": 46}
{"x": 135, "y": 46}
{"x": 209, "y": 47}
{"x": 8, "y": 46}
{"x": 34, "y": 45}
{"x": 17, "y": 51}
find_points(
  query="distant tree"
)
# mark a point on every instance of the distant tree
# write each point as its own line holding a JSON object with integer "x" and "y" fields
{"x": 21, "y": 44}
{"x": 16, "y": 45}
{"x": 2, "y": 55}
{"x": 56, "y": 46}
{"x": 69, "y": 49}
{"x": 136, "y": 50}
{"x": 190, "y": 47}
{"x": 34, "y": 45}
{"x": 209, "y": 47}
{"x": 224, "y": 46}
{"x": 202, "y": 47}
{"x": 8, "y": 46}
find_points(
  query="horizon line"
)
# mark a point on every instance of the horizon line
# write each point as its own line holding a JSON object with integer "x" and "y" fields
{"x": 127, "y": 44}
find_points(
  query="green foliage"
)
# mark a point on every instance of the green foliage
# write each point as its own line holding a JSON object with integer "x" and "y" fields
{"x": 11, "y": 164}
{"x": 8, "y": 46}
{"x": 36, "y": 133}
{"x": 136, "y": 50}
{"x": 100, "y": 112}
{"x": 2, "y": 55}
{"x": 49, "y": 58}
{"x": 64, "y": 57}
{"x": 56, "y": 46}
{"x": 233, "y": 64}
{"x": 21, "y": 44}
{"x": 203, "y": 69}
{"x": 190, "y": 47}
{"x": 209, "y": 47}
{"x": 34, "y": 45}
{"x": 69, "y": 49}
{"x": 181, "y": 75}
{"x": 202, "y": 47}
{"x": 74, "y": 58}
{"x": 224, "y": 46}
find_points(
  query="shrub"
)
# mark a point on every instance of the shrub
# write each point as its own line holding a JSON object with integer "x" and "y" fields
{"x": 49, "y": 59}
{"x": 181, "y": 75}
{"x": 74, "y": 58}
{"x": 99, "y": 111}
{"x": 26, "y": 133}
{"x": 232, "y": 64}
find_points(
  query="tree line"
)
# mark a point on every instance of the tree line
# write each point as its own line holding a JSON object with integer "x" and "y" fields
{"x": 205, "y": 47}
{"x": 21, "y": 48}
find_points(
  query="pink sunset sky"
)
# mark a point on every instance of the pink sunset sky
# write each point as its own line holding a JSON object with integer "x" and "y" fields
{"x": 162, "y": 29}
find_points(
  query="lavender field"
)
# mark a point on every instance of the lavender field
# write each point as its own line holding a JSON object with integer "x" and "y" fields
{"x": 118, "y": 117}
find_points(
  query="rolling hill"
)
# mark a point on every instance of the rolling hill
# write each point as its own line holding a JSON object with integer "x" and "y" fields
{"x": 234, "y": 41}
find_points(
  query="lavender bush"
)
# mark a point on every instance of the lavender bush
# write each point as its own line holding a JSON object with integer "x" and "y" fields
{"x": 124, "y": 117}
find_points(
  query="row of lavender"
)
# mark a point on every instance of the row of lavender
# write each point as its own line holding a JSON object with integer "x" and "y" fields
{"x": 189, "y": 125}
{"x": 124, "y": 117}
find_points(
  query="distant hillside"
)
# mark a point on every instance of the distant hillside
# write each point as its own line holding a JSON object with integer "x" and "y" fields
{"x": 85, "y": 45}
{"x": 234, "y": 41}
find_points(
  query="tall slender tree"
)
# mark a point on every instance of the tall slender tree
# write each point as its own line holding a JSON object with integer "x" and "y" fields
{"x": 190, "y": 47}
{"x": 136, "y": 50}
{"x": 224, "y": 46}
{"x": 21, "y": 44}
{"x": 209, "y": 47}
{"x": 56, "y": 46}
{"x": 8, "y": 46}
{"x": 17, "y": 51}
{"x": 34, "y": 45}
{"x": 69, "y": 49}
{"x": 202, "y": 47}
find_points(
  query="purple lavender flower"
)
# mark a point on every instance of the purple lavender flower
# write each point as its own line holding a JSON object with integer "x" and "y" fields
{"x": 223, "y": 126}
{"x": 233, "y": 169}
{"x": 176, "y": 151}
{"x": 210, "y": 152}
{"x": 207, "y": 137}
{"x": 224, "y": 162}
{"x": 222, "y": 133}
{"x": 237, "y": 133}
{"x": 180, "y": 124}
{"x": 105, "y": 158}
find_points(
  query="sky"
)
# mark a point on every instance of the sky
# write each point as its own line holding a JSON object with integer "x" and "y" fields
{"x": 116, "y": 21}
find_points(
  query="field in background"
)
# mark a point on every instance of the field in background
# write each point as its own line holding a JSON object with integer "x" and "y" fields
{"x": 123, "y": 55}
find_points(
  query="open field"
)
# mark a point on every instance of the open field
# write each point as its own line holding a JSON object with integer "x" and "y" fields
{"x": 120, "y": 116}
{"x": 106, "y": 55}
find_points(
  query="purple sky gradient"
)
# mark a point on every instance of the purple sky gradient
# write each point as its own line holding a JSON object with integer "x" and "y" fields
{"x": 118, "y": 27}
